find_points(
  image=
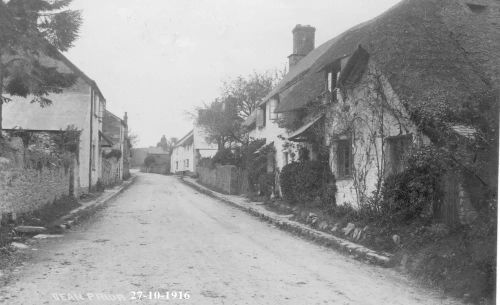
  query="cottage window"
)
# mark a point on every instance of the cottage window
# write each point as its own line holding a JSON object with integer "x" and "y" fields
{"x": 187, "y": 163}
{"x": 331, "y": 76}
{"x": 344, "y": 159}
{"x": 261, "y": 116}
{"x": 176, "y": 165}
{"x": 285, "y": 157}
{"x": 273, "y": 105}
{"x": 397, "y": 149}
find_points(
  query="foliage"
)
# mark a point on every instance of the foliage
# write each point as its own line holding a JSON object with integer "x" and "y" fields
{"x": 132, "y": 139}
{"x": 246, "y": 92}
{"x": 29, "y": 30}
{"x": 114, "y": 153}
{"x": 412, "y": 193}
{"x": 221, "y": 122}
{"x": 306, "y": 181}
{"x": 266, "y": 184}
{"x": 222, "y": 118}
{"x": 149, "y": 160}
{"x": 256, "y": 163}
{"x": 167, "y": 145}
{"x": 69, "y": 140}
{"x": 225, "y": 157}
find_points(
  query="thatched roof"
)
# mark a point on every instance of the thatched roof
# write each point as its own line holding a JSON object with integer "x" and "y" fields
{"x": 416, "y": 46}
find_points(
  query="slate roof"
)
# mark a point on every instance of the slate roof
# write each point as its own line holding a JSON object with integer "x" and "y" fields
{"x": 415, "y": 45}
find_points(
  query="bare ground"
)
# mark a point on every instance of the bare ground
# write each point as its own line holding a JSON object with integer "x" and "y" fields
{"x": 161, "y": 236}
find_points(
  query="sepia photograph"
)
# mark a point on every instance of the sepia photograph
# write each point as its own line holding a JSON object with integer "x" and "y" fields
{"x": 249, "y": 152}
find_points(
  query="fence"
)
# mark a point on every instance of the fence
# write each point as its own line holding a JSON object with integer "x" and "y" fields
{"x": 223, "y": 178}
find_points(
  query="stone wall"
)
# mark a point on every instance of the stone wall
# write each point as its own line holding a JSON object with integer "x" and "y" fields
{"x": 110, "y": 171}
{"x": 223, "y": 178}
{"x": 26, "y": 190}
{"x": 34, "y": 175}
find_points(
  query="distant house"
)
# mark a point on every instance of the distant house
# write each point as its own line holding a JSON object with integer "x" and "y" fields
{"x": 376, "y": 90}
{"x": 116, "y": 152}
{"x": 160, "y": 163}
{"x": 188, "y": 151}
{"x": 138, "y": 155}
{"x": 81, "y": 106}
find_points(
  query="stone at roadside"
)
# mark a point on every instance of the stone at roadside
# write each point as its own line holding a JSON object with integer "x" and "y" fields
{"x": 404, "y": 261}
{"x": 396, "y": 239}
{"x": 349, "y": 228}
{"x": 30, "y": 229}
{"x": 303, "y": 215}
{"x": 357, "y": 233}
{"x": 312, "y": 218}
{"x": 323, "y": 225}
{"x": 335, "y": 228}
{"x": 45, "y": 236}
{"x": 19, "y": 246}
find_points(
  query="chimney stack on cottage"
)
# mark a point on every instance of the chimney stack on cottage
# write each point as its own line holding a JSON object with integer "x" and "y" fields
{"x": 303, "y": 43}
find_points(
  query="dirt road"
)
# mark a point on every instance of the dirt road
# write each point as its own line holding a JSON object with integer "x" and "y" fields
{"x": 160, "y": 238}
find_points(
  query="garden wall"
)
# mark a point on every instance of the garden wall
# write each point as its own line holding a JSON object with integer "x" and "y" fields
{"x": 223, "y": 178}
{"x": 31, "y": 178}
{"x": 110, "y": 171}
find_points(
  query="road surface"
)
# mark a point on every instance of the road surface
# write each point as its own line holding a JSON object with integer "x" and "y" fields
{"x": 162, "y": 239}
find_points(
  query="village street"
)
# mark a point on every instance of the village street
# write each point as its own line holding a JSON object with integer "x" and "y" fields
{"x": 160, "y": 235}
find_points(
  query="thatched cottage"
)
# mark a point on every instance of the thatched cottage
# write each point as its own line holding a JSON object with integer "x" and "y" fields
{"x": 426, "y": 72}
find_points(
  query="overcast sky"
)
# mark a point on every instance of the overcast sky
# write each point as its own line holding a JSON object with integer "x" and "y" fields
{"x": 158, "y": 59}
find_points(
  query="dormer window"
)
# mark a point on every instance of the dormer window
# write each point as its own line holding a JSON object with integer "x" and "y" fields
{"x": 273, "y": 105}
{"x": 261, "y": 116}
{"x": 331, "y": 76}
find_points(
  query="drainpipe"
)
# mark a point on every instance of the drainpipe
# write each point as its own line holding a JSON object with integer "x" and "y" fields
{"x": 91, "y": 139}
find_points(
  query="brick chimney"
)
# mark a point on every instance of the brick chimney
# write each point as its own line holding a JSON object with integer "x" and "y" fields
{"x": 303, "y": 43}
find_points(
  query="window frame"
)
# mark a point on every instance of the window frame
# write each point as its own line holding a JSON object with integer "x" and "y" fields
{"x": 273, "y": 105}
{"x": 396, "y": 144}
{"x": 343, "y": 146}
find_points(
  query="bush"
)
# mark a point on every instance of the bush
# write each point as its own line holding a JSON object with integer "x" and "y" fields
{"x": 412, "y": 193}
{"x": 266, "y": 184}
{"x": 149, "y": 160}
{"x": 114, "y": 153}
{"x": 307, "y": 181}
{"x": 225, "y": 157}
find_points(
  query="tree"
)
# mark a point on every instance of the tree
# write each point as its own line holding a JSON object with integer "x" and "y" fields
{"x": 163, "y": 144}
{"x": 222, "y": 118}
{"x": 29, "y": 31}
{"x": 247, "y": 92}
{"x": 221, "y": 122}
{"x": 133, "y": 139}
{"x": 167, "y": 145}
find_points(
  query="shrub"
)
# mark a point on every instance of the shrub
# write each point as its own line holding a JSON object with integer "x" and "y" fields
{"x": 114, "y": 153}
{"x": 307, "y": 181}
{"x": 149, "y": 160}
{"x": 412, "y": 193}
{"x": 225, "y": 157}
{"x": 266, "y": 184}
{"x": 206, "y": 162}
